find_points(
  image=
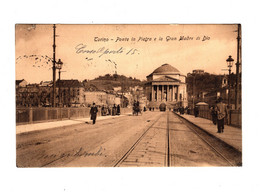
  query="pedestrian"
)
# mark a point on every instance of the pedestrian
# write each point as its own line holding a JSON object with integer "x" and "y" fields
{"x": 103, "y": 110}
{"x": 93, "y": 113}
{"x": 188, "y": 110}
{"x": 221, "y": 114}
{"x": 182, "y": 110}
{"x": 214, "y": 115}
{"x": 196, "y": 111}
{"x": 118, "y": 110}
{"x": 114, "y": 110}
{"x": 108, "y": 110}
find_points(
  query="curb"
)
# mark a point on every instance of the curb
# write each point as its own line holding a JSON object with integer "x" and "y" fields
{"x": 59, "y": 126}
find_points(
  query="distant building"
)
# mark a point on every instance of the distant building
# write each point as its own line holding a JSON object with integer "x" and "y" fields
{"x": 117, "y": 89}
{"x": 223, "y": 92}
{"x": 45, "y": 84}
{"x": 166, "y": 85}
{"x": 30, "y": 96}
{"x": 20, "y": 83}
{"x": 198, "y": 71}
{"x": 224, "y": 81}
{"x": 136, "y": 88}
{"x": 97, "y": 97}
{"x": 71, "y": 92}
{"x": 103, "y": 98}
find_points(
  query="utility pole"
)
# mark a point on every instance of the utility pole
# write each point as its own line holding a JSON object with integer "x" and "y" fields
{"x": 53, "y": 67}
{"x": 238, "y": 64}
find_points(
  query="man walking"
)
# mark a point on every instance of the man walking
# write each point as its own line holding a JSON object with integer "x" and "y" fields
{"x": 118, "y": 110}
{"x": 196, "y": 111}
{"x": 213, "y": 114}
{"x": 93, "y": 113}
{"x": 221, "y": 114}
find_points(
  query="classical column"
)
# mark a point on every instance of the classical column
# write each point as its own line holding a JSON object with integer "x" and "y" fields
{"x": 171, "y": 93}
{"x": 168, "y": 95}
{"x": 152, "y": 99}
{"x": 177, "y": 91}
{"x": 157, "y": 92}
{"x": 162, "y": 93}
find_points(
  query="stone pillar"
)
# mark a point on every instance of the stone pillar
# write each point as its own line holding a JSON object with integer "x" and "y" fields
{"x": 46, "y": 113}
{"x": 30, "y": 115}
{"x": 152, "y": 99}
{"x": 175, "y": 93}
{"x": 68, "y": 112}
{"x": 171, "y": 93}
{"x": 162, "y": 92}
{"x": 168, "y": 93}
{"x": 177, "y": 90}
{"x": 157, "y": 92}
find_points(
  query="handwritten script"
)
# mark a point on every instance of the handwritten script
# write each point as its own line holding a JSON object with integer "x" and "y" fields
{"x": 78, "y": 153}
{"x": 82, "y": 48}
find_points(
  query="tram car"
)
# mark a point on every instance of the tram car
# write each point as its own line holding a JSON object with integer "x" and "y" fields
{"x": 162, "y": 107}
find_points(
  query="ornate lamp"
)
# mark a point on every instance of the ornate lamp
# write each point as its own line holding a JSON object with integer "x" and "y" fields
{"x": 230, "y": 61}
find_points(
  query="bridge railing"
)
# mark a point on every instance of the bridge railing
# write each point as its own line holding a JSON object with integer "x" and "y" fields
{"x": 234, "y": 118}
{"x": 43, "y": 114}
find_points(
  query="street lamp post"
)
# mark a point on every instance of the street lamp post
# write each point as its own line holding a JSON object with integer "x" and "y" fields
{"x": 53, "y": 67}
{"x": 238, "y": 64}
{"x": 59, "y": 66}
{"x": 56, "y": 65}
{"x": 230, "y": 61}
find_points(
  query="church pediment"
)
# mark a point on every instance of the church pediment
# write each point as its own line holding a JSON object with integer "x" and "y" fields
{"x": 166, "y": 78}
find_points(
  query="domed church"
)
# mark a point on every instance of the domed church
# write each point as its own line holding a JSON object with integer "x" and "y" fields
{"x": 166, "y": 85}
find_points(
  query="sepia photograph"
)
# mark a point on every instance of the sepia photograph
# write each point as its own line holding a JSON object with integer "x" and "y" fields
{"x": 128, "y": 95}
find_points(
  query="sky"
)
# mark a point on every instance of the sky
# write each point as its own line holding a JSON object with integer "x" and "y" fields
{"x": 89, "y": 51}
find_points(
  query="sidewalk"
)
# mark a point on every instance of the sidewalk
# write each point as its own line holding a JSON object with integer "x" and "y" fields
{"x": 62, "y": 123}
{"x": 231, "y": 135}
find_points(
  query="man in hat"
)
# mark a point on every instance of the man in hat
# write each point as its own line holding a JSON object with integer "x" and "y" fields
{"x": 221, "y": 114}
{"x": 93, "y": 113}
{"x": 196, "y": 111}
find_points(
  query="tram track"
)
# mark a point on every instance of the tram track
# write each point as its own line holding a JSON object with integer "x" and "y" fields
{"x": 144, "y": 149}
{"x": 154, "y": 135}
{"x": 70, "y": 158}
{"x": 232, "y": 156}
{"x": 166, "y": 140}
{"x": 168, "y": 162}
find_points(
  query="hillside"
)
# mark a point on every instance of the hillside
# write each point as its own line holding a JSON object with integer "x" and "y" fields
{"x": 109, "y": 82}
{"x": 206, "y": 82}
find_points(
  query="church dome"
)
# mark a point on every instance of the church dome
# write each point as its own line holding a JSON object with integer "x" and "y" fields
{"x": 166, "y": 68}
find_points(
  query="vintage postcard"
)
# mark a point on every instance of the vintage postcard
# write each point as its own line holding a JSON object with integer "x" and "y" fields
{"x": 165, "y": 95}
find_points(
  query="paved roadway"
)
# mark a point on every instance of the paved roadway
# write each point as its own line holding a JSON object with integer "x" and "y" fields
{"x": 105, "y": 143}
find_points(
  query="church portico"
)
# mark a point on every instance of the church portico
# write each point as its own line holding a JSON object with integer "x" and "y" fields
{"x": 164, "y": 92}
{"x": 166, "y": 85}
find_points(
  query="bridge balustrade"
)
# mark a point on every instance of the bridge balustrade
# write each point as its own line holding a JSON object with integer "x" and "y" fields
{"x": 43, "y": 114}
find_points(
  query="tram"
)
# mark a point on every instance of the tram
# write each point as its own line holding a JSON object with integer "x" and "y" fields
{"x": 162, "y": 107}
